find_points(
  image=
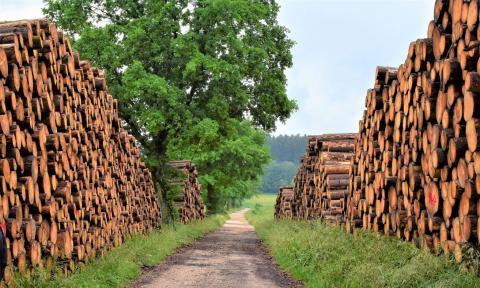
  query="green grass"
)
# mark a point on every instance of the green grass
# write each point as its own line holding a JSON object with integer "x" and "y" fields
{"x": 261, "y": 200}
{"x": 326, "y": 256}
{"x": 123, "y": 264}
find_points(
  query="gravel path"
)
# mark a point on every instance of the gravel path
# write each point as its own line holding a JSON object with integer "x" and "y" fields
{"x": 232, "y": 256}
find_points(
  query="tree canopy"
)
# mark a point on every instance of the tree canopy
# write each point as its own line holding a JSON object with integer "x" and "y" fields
{"x": 196, "y": 79}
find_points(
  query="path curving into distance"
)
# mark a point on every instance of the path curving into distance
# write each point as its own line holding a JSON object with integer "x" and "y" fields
{"x": 232, "y": 256}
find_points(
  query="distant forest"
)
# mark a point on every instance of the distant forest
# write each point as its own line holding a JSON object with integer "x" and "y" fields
{"x": 287, "y": 147}
{"x": 286, "y": 151}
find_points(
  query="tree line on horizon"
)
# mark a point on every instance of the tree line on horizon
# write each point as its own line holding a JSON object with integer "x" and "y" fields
{"x": 286, "y": 151}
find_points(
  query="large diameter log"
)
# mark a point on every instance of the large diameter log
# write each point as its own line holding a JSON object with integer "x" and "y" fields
{"x": 338, "y": 182}
{"x": 336, "y": 169}
{"x": 472, "y": 82}
{"x": 335, "y": 156}
{"x": 3, "y": 63}
{"x": 472, "y": 132}
{"x": 432, "y": 198}
{"x": 338, "y": 194}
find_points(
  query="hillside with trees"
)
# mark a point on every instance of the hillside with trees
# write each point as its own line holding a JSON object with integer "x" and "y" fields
{"x": 286, "y": 151}
{"x": 287, "y": 147}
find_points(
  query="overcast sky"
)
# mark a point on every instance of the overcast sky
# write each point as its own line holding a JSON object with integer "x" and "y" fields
{"x": 339, "y": 44}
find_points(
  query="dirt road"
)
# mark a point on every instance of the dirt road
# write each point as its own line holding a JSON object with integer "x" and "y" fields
{"x": 229, "y": 257}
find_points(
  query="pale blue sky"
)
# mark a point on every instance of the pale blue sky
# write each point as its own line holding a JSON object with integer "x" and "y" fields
{"x": 339, "y": 44}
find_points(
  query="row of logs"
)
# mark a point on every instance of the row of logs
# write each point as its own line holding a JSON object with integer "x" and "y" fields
{"x": 304, "y": 189}
{"x": 284, "y": 206}
{"x": 416, "y": 170}
{"x": 72, "y": 181}
{"x": 332, "y": 176}
{"x": 188, "y": 200}
{"x": 415, "y": 173}
{"x": 320, "y": 185}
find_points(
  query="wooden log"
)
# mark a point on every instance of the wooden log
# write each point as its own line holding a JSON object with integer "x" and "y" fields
{"x": 3, "y": 63}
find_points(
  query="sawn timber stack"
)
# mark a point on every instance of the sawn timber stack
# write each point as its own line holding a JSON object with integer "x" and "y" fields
{"x": 416, "y": 171}
{"x": 72, "y": 182}
{"x": 189, "y": 201}
{"x": 322, "y": 179}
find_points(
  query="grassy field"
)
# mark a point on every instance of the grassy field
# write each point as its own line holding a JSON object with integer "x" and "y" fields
{"x": 125, "y": 263}
{"x": 324, "y": 256}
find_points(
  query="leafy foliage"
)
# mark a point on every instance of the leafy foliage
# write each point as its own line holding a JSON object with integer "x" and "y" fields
{"x": 230, "y": 162}
{"x": 191, "y": 72}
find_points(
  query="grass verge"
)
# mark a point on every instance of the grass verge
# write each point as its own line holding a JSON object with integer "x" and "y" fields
{"x": 325, "y": 256}
{"x": 125, "y": 263}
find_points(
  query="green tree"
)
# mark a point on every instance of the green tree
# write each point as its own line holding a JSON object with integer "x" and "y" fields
{"x": 230, "y": 162}
{"x": 184, "y": 70}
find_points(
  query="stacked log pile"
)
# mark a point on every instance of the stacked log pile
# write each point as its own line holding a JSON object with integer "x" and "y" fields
{"x": 416, "y": 171}
{"x": 72, "y": 182}
{"x": 189, "y": 201}
{"x": 321, "y": 182}
{"x": 377, "y": 165}
{"x": 332, "y": 175}
{"x": 284, "y": 207}
{"x": 304, "y": 187}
